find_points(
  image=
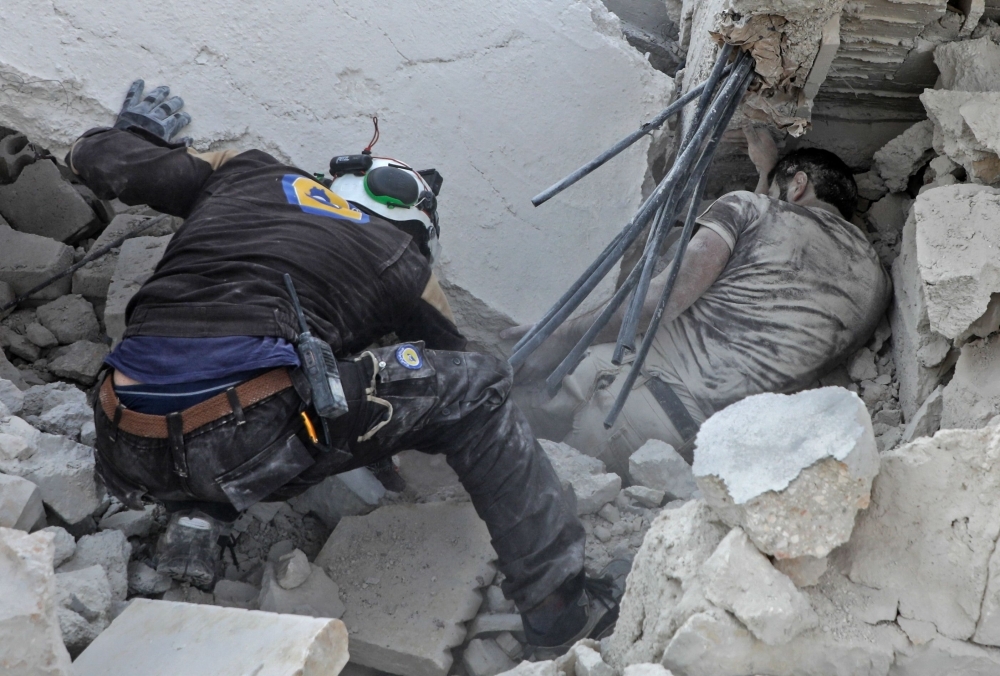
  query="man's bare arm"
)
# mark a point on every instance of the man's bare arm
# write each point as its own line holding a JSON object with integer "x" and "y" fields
{"x": 763, "y": 153}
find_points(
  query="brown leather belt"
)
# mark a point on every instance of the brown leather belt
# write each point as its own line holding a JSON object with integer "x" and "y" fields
{"x": 155, "y": 426}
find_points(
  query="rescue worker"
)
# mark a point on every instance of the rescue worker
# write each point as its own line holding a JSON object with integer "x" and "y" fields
{"x": 205, "y": 407}
{"x": 777, "y": 287}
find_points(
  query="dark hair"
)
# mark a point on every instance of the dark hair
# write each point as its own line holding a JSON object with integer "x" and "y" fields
{"x": 832, "y": 180}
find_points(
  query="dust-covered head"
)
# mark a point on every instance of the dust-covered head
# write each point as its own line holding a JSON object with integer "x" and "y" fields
{"x": 832, "y": 179}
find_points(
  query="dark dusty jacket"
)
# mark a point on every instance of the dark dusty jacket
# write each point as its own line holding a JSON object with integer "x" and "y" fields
{"x": 248, "y": 221}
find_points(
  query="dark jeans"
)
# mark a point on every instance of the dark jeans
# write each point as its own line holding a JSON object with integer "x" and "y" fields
{"x": 454, "y": 403}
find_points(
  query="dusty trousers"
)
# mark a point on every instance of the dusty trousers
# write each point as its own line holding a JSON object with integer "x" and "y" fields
{"x": 401, "y": 397}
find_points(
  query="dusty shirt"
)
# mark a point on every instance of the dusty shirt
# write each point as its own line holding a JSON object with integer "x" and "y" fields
{"x": 803, "y": 289}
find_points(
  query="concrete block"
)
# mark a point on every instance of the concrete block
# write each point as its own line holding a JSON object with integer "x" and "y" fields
{"x": 496, "y": 602}
{"x": 592, "y": 486}
{"x": 18, "y": 345}
{"x": 235, "y": 594}
{"x": 870, "y": 185}
{"x": 510, "y": 645}
{"x": 80, "y": 362}
{"x": 131, "y": 522}
{"x": 9, "y": 372}
{"x": 791, "y": 470}
{"x": 63, "y": 470}
{"x": 647, "y": 497}
{"x": 94, "y": 278}
{"x": 136, "y": 263}
{"x": 88, "y": 434}
{"x": 941, "y": 655}
{"x": 108, "y": 549}
{"x": 84, "y": 605}
{"x": 861, "y": 365}
{"x": 483, "y": 657}
{"x": 292, "y": 569}
{"x": 65, "y": 544}
{"x": 16, "y": 152}
{"x": 901, "y": 157}
{"x": 143, "y": 579}
{"x": 805, "y": 571}
{"x": 70, "y": 318}
{"x": 969, "y": 66}
{"x": 20, "y": 503}
{"x": 29, "y": 260}
{"x": 589, "y": 662}
{"x": 657, "y": 465}
{"x": 349, "y": 494}
{"x": 927, "y": 420}
{"x": 40, "y": 398}
{"x": 216, "y": 642}
{"x": 492, "y": 625}
{"x": 409, "y": 576}
{"x": 40, "y": 336}
{"x": 30, "y": 639}
{"x": 317, "y": 596}
{"x": 678, "y": 542}
{"x": 11, "y": 396}
{"x": 972, "y": 398}
{"x": 888, "y": 216}
{"x": 740, "y": 579}
{"x": 67, "y": 415}
{"x": 40, "y": 202}
{"x": 929, "y": 536}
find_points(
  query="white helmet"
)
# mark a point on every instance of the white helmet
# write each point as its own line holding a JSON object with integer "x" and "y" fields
{"x": 398, "y": 193}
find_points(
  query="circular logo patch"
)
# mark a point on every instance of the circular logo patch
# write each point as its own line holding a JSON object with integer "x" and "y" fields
{"x": 408, "y": 357}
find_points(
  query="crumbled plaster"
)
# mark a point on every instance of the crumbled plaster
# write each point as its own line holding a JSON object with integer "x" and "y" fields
{"x": 504, "y": 100}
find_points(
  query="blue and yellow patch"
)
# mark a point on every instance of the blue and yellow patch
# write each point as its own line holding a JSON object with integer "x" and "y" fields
{"x": 408, "y": 357}
{"x": 314, "y": 199}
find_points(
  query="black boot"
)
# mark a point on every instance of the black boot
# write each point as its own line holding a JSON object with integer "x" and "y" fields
{"x": 189, "y": 548}
{"x": 581, "y": 608}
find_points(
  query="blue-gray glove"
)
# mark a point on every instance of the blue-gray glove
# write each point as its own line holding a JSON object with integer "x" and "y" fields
{"x": 155, "y": 113}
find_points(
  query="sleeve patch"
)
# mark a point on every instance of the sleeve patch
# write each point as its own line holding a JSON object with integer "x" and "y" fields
{"x": 315, "y": 199}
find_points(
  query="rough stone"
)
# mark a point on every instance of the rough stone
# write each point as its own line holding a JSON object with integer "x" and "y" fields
{"x": 390, "y": 561}
{"x": 94, "y": 278}
{"x": 131, "y": 522}
{"x": 870, "y": 185}
{"x": 143, "y": 579}
{"x": 349, "y": 494}
{"x": 41, "y": 203}
{"x": 679, "y": 541}
{"x": 216, "y": 641}
{"x": 136, "y": 263}
{"x": 483, "y": 657}
{"x": 29, "y": 260}
{"x": 108, "y": 549}
{"x": 805, "y": 571}
{"x": 740, "y": 579}
{"x": 30, "y": 639}
{"x": 589, "y": 662}
{"x": 318, "y": 596}
{"x": 940, "y": 655}
{"x": 861, "y": 365}
{"x": 18, "y": 345}
{"x": 794, "y": 488}
{"x": 920, "y": 354}
{"x": 657, "y": 465}
{"x": 972, "y": 398}
{"x": 68, "y": 414}
{"x": 510, "y": 645}
{"x": 235, "y": 594}
{"x": 40, "y": 336}
{"x": 493, "y": 625}
{"x": 65, "y": 544}
{"x": 292, "y": 569}
{"x": 965, "y": 131}
{"x": 586, "y": 476}
{"x": 40, "y": 398}
{"x": 70, "y": 319}
{"x": 927, "y": 420}
{"x": 62, "y": 469}
{"x": 969, "y": 66}
{"x": 647, "y": 497}
{"x": 11, "y": 396}
{"x": 930, "y": 533}
{"x": 888, "y": 216}
{"x": 81, "y": 362}
{"x": 496, "y": 602}
{"x": 20, "y": 503}
{"x": 9, "y": 372}
{"x": 901, "y": 157}
{"x": 84, "y": 605}
{"x": 88, "y": 434}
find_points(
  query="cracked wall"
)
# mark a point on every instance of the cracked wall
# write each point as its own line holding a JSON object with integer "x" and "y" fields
{"x": 503, "y": 99}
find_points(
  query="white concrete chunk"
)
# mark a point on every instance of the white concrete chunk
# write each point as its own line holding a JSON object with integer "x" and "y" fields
{"x": 131, "y": 522}
{"x": 202, "y": 640}
{"x": 972, "y": 397}
{"x": 31, "y": 259}
{"x": 805, "y": 571}
{"x": 969, "y": 66}
{"x": 143, "y": 579}
{"x": 409, "y": 576}
{"x": 64, "y": 472}
{"x": 20, "y": 503}
{"x": 740, "y": 579}
{"x": 70, "y": 318}
{"x": 349, "y": 494}
{"x": 791, "y": 470}
{"x": 108, "y": 549}
{"x": 646, "y": 670}
{"x": 84, "y": 605}
{"x": 317, "y": 596}
{"x": 657, "y": 465}
{"x": 65, "y": 544}
{"x": 927, "y": 420}
{"x": 903, "y": 156}
{"x": 483, "y": 657}
{"x": 589, "y": 663}
{"x": 592, "y": 486}
{"x": 11, "y": 396}
{"x": 292, "y": 569}
{"x": 30, "y": 639}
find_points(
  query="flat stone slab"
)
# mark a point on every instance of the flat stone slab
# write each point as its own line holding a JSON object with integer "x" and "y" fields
{"x": 409, "y": 577}
{"x": 163, "y": 638}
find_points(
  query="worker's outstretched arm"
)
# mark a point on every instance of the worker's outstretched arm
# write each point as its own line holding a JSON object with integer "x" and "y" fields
{"x": 705, "y": 259}
{"x": 763, "y": 153}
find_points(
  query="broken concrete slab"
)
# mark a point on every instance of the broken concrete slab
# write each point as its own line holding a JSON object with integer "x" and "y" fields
{"x": 888, "y": 216}
{"x": 41, "y": 203}
{"x": 972, "y": 397}
{"x": 870, "y": 185}
{"x": 586, "y": 476}
{"x": 143, "y": 579}
{"x": 794, "y": 487}
{"x": 65, "y": 544}
{"x": 965, "y": 131}
{"x": 647, "y": 497}
{"x": 9, "y": 372}
{"x": 930, "y": 534}
{"x": 657, "y": 465}
{"x": 20, "y": 503}
{"x": 316, "y": 596}
{"x": 18, "y": 345}
{"x": 483, "y": 657}
{"x": 927, "y": 420}
{"x": 940, "y": 655}
{"x": 131, "y": 522}
{"x": 349, "y": 494}
{"x": 81, "y": 362}
{"x": 70, "y": 318}
{"x": 969, "y": 66}
{"x": 805, "y": 571}
{"x": 30, "y": 639}
{"x": 29, "y": 260}
{"x": 216, "y": 641}
{"x": 108, "y": 549}
{"x": 904, "y": 155}
{"x": 64, "y": 411}
{"x": 679, "y": 541}
{"x": 136, "y": 263}
{"x": 11, "y": 396}
{"x": 63, "y": 470}
{"x": 84, "y": 605}
{"x": 740, "y": 579}
{"x": 428, "y": 559}
{"x": 292, "y": 569}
